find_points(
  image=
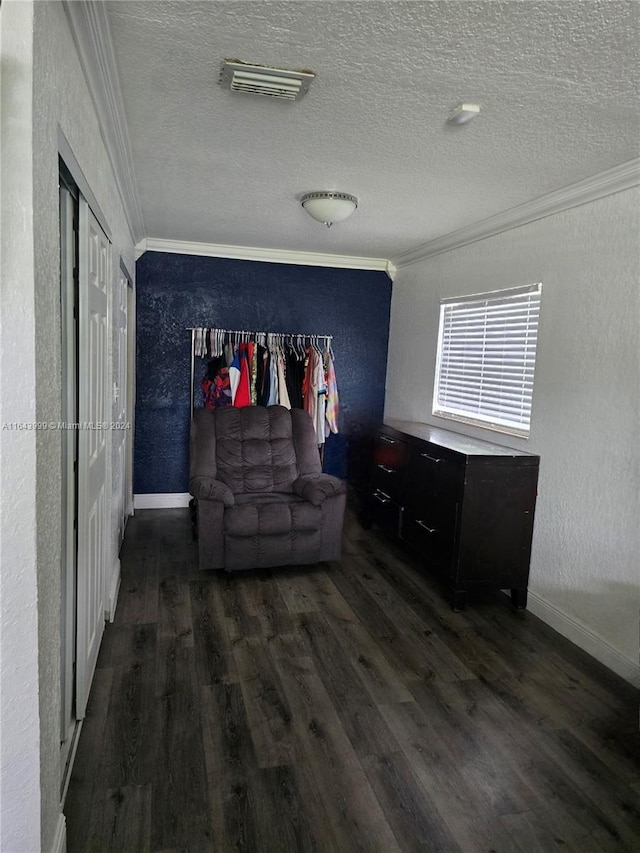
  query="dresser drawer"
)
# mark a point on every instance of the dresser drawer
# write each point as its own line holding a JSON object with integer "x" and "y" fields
{"x": 389, "y": 452}
{"x": 385, "y": 512}
{"x": 389, "y": 480}
{"x": 430, "y": 527}
{"x": 433, "y": 472}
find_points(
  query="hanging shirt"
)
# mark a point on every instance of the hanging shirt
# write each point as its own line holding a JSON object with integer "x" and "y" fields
{"x": 294, "y": 375}
{"x": 265, "y": 385}
{"x": 283, "y": 394}
{"x": 333, "y": 406}
{"x": 273, "y": 379}
{"x": 234, "y": 376}
{"x": 311, "y": 387}
{"x": 216, "y": 389}
{"x": 322, "y": 399}
{"x": 243, "y": 392}
{"x": 254, "y": 350}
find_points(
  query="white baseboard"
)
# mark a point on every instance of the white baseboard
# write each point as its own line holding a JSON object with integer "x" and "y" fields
{"x": 162, "y": 501}
{"x": 114, "y": 589}
{"x": 584, "y": 637}
{"x": 60, "y": 838}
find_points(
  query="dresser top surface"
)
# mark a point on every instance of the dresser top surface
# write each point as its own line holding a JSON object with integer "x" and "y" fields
{"x": 454, "y": 441}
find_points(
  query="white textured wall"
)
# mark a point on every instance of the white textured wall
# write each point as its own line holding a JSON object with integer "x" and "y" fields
{"x": 31, "y": 358}
{"x": 586, "y": 550}
{"x": 19, "y": 716}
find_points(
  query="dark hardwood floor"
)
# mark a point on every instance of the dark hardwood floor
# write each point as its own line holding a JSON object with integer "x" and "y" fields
{"x": 341, "y": 707}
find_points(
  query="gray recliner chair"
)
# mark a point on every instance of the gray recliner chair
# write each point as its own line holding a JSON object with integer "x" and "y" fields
{"x": 262, "y": 499}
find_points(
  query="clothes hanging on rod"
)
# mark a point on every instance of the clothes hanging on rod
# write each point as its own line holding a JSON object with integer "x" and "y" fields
{"x": 244, "y": 368}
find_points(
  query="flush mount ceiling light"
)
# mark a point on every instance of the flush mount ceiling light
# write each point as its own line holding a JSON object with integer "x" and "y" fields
{"x": 464, "y": 113}
{"x": 329, "y": 207}
{"x": 263, "y": 80}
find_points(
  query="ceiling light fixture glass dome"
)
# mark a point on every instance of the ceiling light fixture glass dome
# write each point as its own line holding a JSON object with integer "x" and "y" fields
{"x": 328, "y": 206}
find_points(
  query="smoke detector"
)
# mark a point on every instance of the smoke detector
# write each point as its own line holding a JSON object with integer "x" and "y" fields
{"x": 263, "y": 80}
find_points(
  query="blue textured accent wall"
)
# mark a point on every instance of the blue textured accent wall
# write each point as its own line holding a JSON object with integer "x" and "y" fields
{"x": 174, "y": 292}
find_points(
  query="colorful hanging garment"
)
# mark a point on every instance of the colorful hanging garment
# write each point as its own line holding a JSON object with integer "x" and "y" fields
{"x": 234, "y": 375}
{"x": 333, "y": 405}
{"x": 322, "y": 400}
{"x": 310, "y": 390}
{"x": 273, "y": 379}
{"x": 283, "y": 395}
{"x": 216, "y": 389}
{"x": 243, "y": 392}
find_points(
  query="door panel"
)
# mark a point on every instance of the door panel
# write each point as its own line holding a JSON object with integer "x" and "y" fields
{"x": 92, "y": 448}
{"x": 68, "y": 272}
{"x": 119, "y": 436}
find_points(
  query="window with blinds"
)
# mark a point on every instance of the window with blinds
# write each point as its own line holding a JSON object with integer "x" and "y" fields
{"x": 486, "y": 358}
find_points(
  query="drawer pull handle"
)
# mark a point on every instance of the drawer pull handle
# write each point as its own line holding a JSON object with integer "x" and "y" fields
{"x": 430, "y": 458}
{"x": 388, "y": 440}
{"x": 426, "y": 527}
{"x": 386, "y": 469}
{"x": 380, "y": 496}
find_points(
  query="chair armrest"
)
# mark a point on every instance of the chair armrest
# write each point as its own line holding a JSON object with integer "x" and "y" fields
{"x": 209, "y": 489}
{"x": 315, "y": 488}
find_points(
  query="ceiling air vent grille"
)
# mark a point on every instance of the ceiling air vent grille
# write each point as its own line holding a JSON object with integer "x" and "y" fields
{"x": 262, "y": 80}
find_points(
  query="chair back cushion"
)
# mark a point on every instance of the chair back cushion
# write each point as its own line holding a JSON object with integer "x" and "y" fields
{"x": 255, "y": 451}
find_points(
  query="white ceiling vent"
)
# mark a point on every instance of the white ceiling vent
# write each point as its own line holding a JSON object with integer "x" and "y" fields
{"x": 262, "y": 80}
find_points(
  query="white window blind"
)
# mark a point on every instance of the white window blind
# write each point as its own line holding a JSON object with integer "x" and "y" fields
{"x": 486, "y": 358}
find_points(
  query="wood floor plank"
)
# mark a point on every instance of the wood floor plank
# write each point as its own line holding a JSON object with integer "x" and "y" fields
{"x": 174, "y": 610}
{"x": 446, "y": 773}
{"x": 293, "y": 644}
{"x": 371, "y": 665}
{"x": 181, "y": 815}
{"x": 617, "y": 746}
{"x": 138, "y": 604}
{"x": 291, "y": 816}
{"x": 412, "y": 581}
{"x": 175, "y": 632}
{"x": 232, "y": 769}
{"x": 611, "y": 796}
{"x": 530, "y": 835}
{"x": 239, "y": 621}
{"x": 358, "y": 822}
{"x": 214, "y": 656}
{"x": 124, "y": 822}
{"x": 412, "y": 815}
{"x": 265, "y": 702}
{"x": 296, "y": 589}
{"x": 410, "y": 639}
{"x": 546, "y": 785}
{"x": 85, "y": 783}
{"x": 263, "y": 598}
{"x": 359, "y": 715}
{"x": 128, "y": 750}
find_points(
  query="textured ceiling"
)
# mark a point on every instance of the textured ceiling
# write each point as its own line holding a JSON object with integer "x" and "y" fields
{"x": 558, "y": 83}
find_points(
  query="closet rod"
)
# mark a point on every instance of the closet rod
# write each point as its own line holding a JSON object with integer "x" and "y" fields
{"x": 249, "y": 332}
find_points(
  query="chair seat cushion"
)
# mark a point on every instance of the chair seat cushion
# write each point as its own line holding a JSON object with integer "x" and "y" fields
{"x": 272, "y": 513}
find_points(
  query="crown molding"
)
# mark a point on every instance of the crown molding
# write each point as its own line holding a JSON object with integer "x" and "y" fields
{"x": 271, "y": 256}
{"x": 90, "y": 31}
{"x": 614, "y": 180}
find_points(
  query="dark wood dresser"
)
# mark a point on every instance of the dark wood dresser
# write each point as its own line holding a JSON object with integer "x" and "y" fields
{"x": 466, "y": 506}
